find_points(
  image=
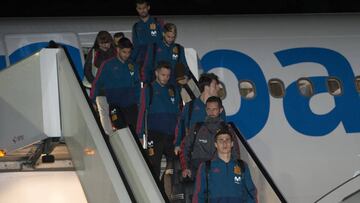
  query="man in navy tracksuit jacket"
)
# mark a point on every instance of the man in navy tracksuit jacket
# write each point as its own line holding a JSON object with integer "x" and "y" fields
{"x": 118, "y": 80}
{"x": 224, "y": 179}
{"x": 147, "y": 30}
{"x": 165, "y": 50}
{"x": 159, "y": 108}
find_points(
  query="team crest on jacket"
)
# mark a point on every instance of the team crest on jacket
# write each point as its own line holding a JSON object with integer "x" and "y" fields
{"x": 175, "y": 50}
{"x": 152, "y": 26}
{"x": 237, "y": 170}
{"x": 131, "y": 68}
{"x": 237, "y": 179}
{"x": 153, "y": 31}
{"x": 175, "y": 54}
{"x": 172, "y": 95}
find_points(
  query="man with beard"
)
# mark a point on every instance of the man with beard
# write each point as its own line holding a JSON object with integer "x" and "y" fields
{"x": 146, "y": 31}
{"x": 118, "y": 80}
{"x": 198, "y": 146}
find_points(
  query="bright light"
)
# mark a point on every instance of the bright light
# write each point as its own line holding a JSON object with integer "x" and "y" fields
{"x": 89, "y": 151}
{"x": 2, "y": 153}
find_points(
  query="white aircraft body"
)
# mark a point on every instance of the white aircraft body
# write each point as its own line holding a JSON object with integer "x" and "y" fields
{"x": 292, "y": 83}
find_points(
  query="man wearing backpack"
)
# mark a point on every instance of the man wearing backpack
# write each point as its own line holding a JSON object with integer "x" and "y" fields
{"x": 198, "y": 146}
{"x": 195, "y": 110}
{"x": 167, "y": 50}
{"x": 159, "y": 109}
{"x": 224, "y": 178}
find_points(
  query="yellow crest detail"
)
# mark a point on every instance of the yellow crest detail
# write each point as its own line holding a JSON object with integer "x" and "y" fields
{"x": 131, "y": 67}
{"x": 171, "y": 93}
{"x": 152, "y": 26}
{"x": 175, "y": 50}
{"x": 237, "y": 170}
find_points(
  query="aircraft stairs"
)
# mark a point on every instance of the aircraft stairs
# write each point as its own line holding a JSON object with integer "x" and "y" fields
{"x": 43, "y": 95}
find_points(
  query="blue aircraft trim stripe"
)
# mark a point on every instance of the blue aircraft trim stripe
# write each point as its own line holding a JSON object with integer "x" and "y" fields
{"x": 2, "y": 62}
{"x": 30, "y": 49}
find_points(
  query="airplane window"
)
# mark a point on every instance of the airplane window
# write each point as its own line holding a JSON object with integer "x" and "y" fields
{"x": 334, "y": 86}
{"x": 276, "y": 88}
{"x": 247, "y": 89}
{"x": 357, "y": 83}
{"x": 305, "y": 87}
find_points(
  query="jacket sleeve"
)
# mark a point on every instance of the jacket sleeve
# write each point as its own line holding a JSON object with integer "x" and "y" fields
{"x": 137, "y": 83}
{"x": 178, "y": 101}
{"x": 147, "y": 68}
{"x": 180, "y": 128}
{"x": 252, "y": 192}
{"x": 140, "y": 126}
{"x": 183, "y": 60}
{"x": 160, "y": 28}
{"x": 134, "y": 54}
{"x": 97, "y": 87}
{"x": 134, "y": 36}
{"x": 135, "y": 41}
{"x": 88, "y": 66}
{"x": 186, "y": 151}
{"x": 200, "y": 185}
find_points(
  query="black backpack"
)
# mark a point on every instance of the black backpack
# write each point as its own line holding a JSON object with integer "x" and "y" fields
{"x": 197, "y": 127}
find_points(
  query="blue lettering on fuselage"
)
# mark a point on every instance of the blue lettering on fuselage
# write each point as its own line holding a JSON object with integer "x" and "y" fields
{"x": 2, "y": 62}
{"x": 30, "y": 49}
{"x": 253, "y": 113}
{"x": 296, "y": 107}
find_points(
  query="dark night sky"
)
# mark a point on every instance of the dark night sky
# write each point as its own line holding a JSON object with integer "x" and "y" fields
{"x": 171, "y": 7}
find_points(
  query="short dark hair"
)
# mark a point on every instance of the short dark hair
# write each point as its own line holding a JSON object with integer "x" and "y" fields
{"x": 222, "y": 131}
{"x": 163, "y": 64}
{"x": 170, "y": 27}
{"x": 119, "y": 34}
{"x": 215, "y": 99}
{"x": 142, "y": 2}
{"x": 124, "y": 43}
{"x": 206, "y": 79}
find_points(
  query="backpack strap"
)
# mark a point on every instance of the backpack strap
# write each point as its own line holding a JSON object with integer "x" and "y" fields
{"x": 135, "y": 34}
{"x": 197, "y": 127}
{"x": 207, "y": 170}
